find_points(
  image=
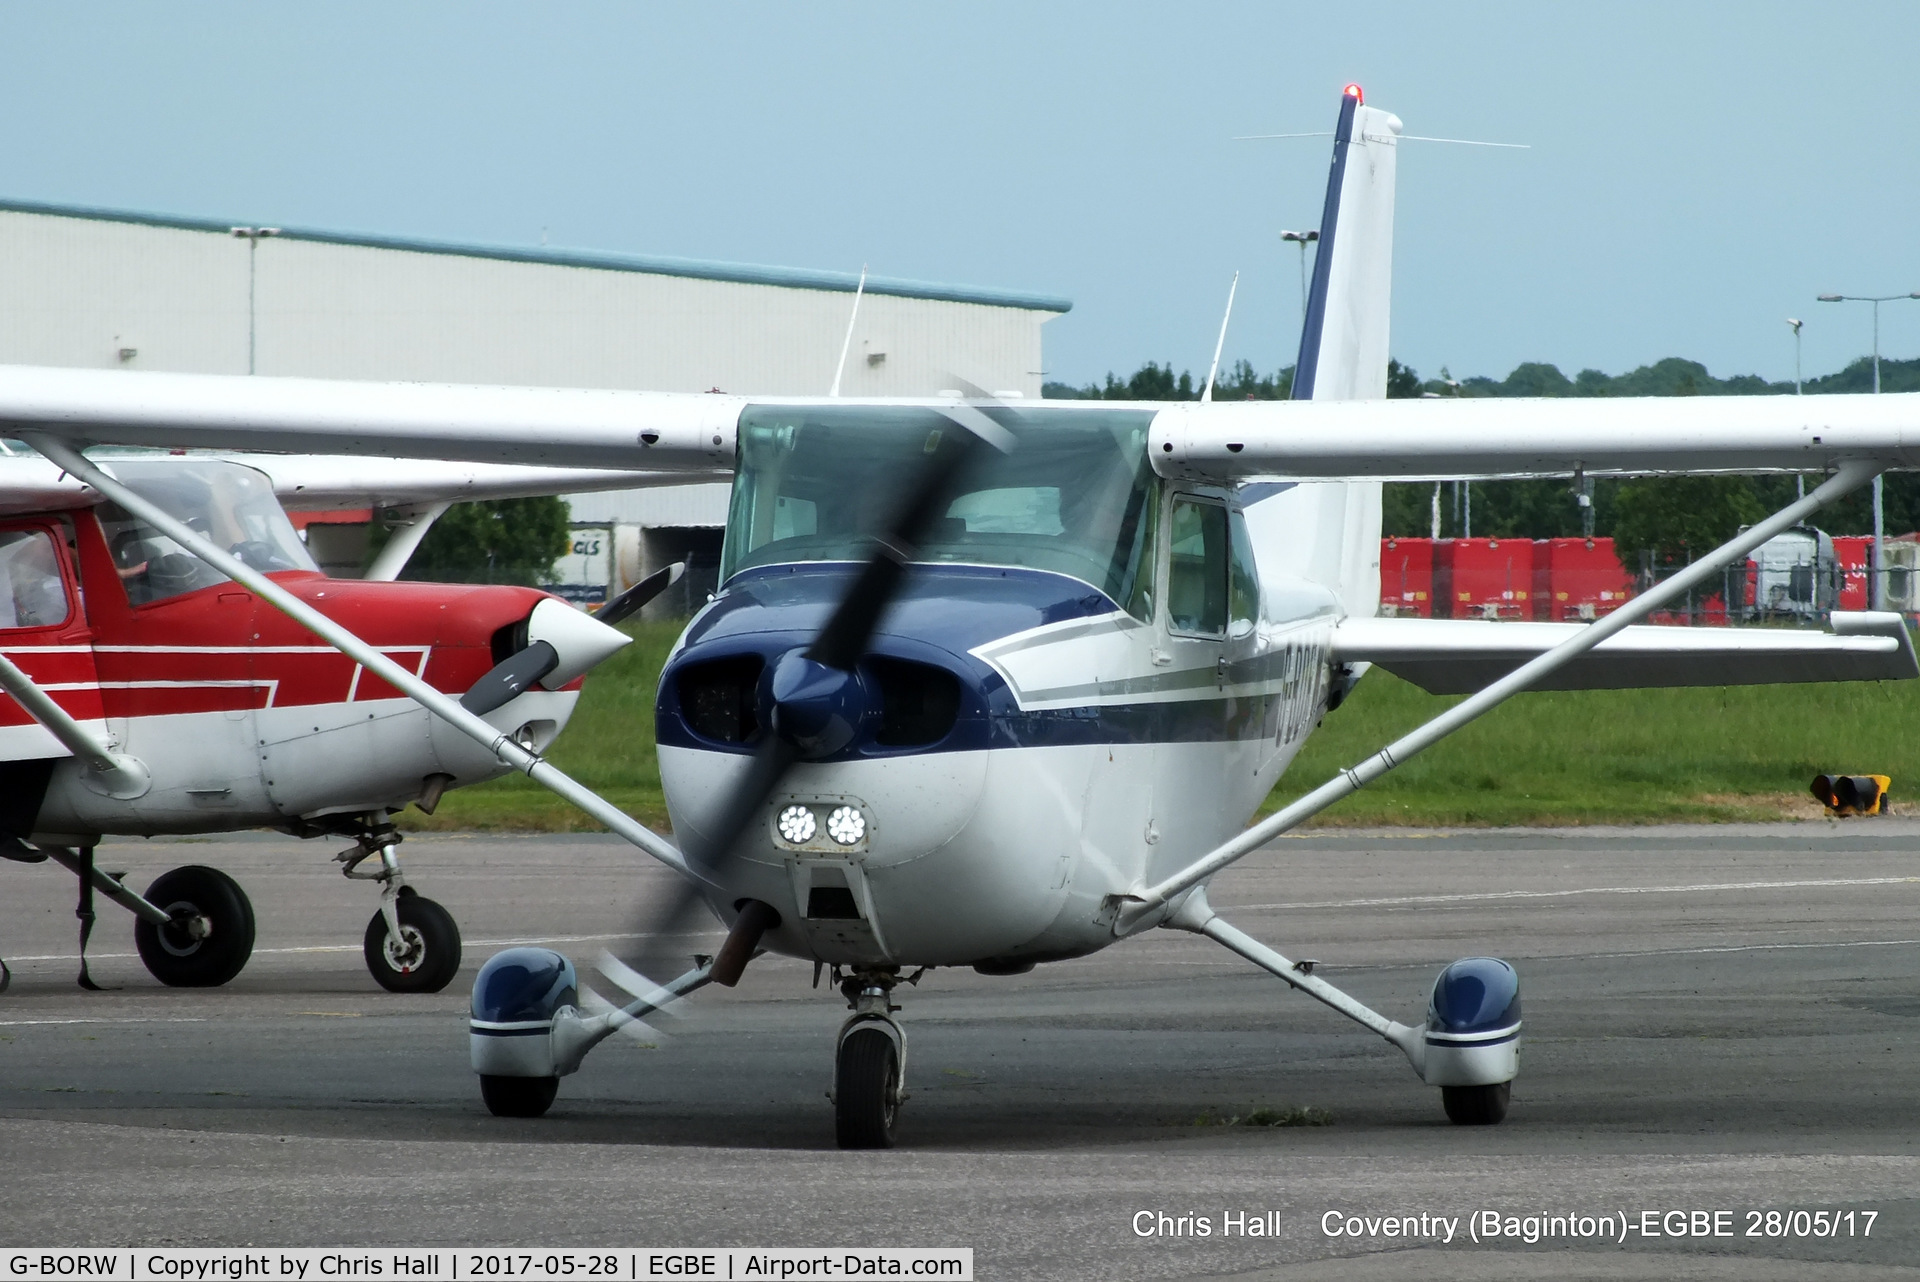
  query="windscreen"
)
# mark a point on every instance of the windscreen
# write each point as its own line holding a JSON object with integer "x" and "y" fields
{"x": 1074, "y": 496}
{"x": 232, "y": 505}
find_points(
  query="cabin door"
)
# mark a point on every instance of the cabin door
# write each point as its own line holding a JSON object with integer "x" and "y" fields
{"x": 44, "y": 633}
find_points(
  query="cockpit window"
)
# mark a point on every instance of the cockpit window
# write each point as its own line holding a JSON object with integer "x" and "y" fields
{"x": 232, "y": 505}
{"x": 1197, "y": 567}
{"x": 32, "y": 594}
{"x": 1074, "y": 496}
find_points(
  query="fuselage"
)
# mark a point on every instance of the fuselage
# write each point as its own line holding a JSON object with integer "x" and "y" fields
{"x": 242, "y": 718}
{"x": 1031, "y": 742}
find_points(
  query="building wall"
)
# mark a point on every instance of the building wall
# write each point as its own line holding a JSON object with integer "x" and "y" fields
{"x": 79, "y": 290}
{"x": 105, "y": 290}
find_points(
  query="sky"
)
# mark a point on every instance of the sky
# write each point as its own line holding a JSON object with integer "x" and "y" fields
{"x": 1696, "y": 172}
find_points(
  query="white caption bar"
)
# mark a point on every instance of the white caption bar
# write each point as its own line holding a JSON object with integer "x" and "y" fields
{"x": 477, "y": 1264}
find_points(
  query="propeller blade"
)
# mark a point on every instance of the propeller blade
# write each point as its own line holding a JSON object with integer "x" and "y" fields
{"x": 507, "y": 679}
{"x": 839, "y": 644}
{"x": 671, "y": 931}
{"x": 768, "y": 767}
{"x": 844, "y": 638}
{"x": 629, "y": 602}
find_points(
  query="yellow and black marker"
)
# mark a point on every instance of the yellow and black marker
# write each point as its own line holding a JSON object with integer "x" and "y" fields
{"x": 1845, "y": 795}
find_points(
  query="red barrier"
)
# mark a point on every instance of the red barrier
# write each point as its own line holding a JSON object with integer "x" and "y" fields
{"x": 1484, "y": 578}
{"x": 1852, "y": 555}
{"x": 1406, "y": 578}
{"x": 1577, "y": 579}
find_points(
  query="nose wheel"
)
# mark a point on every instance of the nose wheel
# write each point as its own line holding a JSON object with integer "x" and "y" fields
{"x": 412, "y": 944}
{"x": 423, "y": 956}
{"x": 867, "y": 1098}
{"x": 869, "y": 1069}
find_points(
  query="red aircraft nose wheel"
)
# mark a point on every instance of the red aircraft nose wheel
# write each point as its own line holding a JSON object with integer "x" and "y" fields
{"x": 426, "y": 956}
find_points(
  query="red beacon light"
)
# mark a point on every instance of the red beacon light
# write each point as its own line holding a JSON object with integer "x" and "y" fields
{"x": 1353, "y": 92}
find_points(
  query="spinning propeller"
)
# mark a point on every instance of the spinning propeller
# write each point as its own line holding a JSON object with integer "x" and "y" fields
{"x": 816, "y": 703}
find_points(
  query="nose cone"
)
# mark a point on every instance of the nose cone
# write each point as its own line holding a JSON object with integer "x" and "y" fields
{"x": 815, "y": 708}
{"x": 580, "y": 641}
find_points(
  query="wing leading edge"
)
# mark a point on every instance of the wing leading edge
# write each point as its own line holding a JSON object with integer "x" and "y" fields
{"x": 1460, "y": 656}
{"x": 693, "y": 434}
{"x": 1447, "y": 439}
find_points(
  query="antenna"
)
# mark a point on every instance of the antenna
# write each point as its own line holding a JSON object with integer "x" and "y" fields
{"x": 841, "y": 368}
{"x": 1206, "y": 394}
{"x": 1327, "y": 133}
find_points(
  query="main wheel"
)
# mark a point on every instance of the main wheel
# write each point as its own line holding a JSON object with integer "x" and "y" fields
{"x": 1476, "y": 1105}
{"x": 426, "y": 956}
{"x": 866, "y": 1097}
{"x": 211, "y": 936}
{"x": 518, "y": 1096}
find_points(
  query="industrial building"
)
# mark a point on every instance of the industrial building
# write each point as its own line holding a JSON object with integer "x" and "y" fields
{"x": 112, "y": 289}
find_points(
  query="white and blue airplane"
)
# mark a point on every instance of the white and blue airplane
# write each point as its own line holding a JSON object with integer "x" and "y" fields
{"x": 994, "y": 685}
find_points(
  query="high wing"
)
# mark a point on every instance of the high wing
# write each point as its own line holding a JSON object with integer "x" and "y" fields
{"x": 1459, "y": 656}
{"x": 565, "y": 427}
{"x": 1446, "y": 439}
{"x": 307, "y": 482}
{"x": 693, "y": 434}
{"x": 320, "y": 482}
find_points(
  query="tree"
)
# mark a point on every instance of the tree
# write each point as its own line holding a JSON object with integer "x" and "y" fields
{"x": 494, "y": 541}
{"x": 1675, "y": 518}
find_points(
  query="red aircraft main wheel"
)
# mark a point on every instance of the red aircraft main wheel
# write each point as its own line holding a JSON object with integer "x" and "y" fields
{"x": 426, "y": 956}
{"x": 212, "y": 934}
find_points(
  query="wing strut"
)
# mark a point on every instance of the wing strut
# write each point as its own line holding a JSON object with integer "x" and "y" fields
{"x": 447, "y": 708}
{"x": 400, "y": 548}
{"x": 113, "y": 773}
{"x": 1136, "y": 911}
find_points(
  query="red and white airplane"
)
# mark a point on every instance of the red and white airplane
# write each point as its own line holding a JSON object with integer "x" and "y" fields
{"x": 152, "y": 694}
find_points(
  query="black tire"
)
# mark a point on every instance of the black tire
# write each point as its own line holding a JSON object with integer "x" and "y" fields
{"x": 1476, "y": 1105}
{"x": 866, "y": 1098}
{"x": 172, "y": 955}
{"x": 518, "y": 1096}
{"x": 431, "y": 957}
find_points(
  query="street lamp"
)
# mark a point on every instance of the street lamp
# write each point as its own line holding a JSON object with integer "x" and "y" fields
{"x": 253, "y": 236}
{"x": 1302, "y": 239}
{"x": 1799, "y": 481}
{"x": 1879, "y": 595}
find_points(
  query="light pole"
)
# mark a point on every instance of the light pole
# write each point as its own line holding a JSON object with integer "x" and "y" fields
{"x": 252, "y": 235}
{"x": 1799, "y": 480}
{"x": 1878, "y": 596}
{"x": 1302, "y": 239}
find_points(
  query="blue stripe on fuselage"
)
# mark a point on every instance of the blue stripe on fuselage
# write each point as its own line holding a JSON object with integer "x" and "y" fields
{"x": 944, "y": 611}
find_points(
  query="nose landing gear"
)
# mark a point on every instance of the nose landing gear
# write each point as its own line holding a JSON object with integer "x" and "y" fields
{"x": 412, "y": 943}
{"x": 870, "y": 1061}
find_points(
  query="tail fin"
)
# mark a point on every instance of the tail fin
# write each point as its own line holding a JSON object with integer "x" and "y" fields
{"x": 1329, "y": 532}
{"x": 1343, "y": 344}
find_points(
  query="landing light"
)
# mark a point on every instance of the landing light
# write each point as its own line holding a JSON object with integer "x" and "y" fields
{"x": 846, "y": 826}
{"x": 797, "y": 824}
